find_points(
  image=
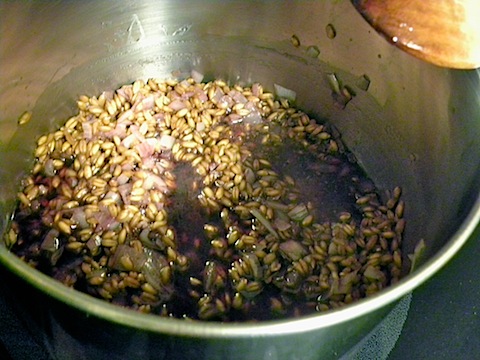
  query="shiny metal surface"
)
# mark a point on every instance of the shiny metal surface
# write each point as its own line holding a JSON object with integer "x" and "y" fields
{"x": 416, "y": 126}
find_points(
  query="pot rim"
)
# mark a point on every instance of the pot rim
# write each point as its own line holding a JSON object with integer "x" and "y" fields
{"x": 204, "y": 329}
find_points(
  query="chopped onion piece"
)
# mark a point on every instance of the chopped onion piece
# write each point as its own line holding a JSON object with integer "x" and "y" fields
{"x": 153, "y": 181}
{"x": 79, "y": 217}
{"x": 298, "y": 213}
{"x": 253, "y": 118}
{"x": 373, "y": 273}
{"x": 129, "y": 141}
{"x": 87, "y": 130}
{"x": 105, "y": 220}
{"x": 108, "y": 95}
{"x": 144, "y": 149}
{"x": 292, "y": 250}
{"x": 159, "y": 117}
{"x": 148, "y": 162}
{"x": 277, "y": 205}
{"x": 201, "y": 94}
{"x": 154, "y": 143}
{"x": 285, "y": 93}
{"x": 138, "y": 101}
{"x": 125, "y": 115}
{"x": 187, "y": 95}
{"x": 334, "y": 83}
{"x": 256, "y": 89}
{"x": 114, "y": 196}
{"x": 237, "y": 96}
{"x": 49, "y": 168}
{"x": 234, "y": 118}
{"x": 177, "y": 105}
{"x": 123, "y": 93}
{"x": 124, "y": 191}
{"x": 264, "y": 221}
{"x": 196, "y": 76}
{"x": 217, "y": 95}
{"x": 417, "y": 255}
{"x": 152, "y": 268}
{"x": 120, "y": 131}
{"x": 137, "y": 258}
{"x": 282, "y": 224}
{"x": 225, "y": 102}
{"x": 123, "y": 178}
{"x": 184, "y": 83}
{"x": 344, "y": 284}
{"x": 166, "y": 141}
{"x": 52, "y": 246}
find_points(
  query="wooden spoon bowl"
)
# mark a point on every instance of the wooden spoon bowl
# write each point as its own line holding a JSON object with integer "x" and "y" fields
{"x": 442, "y": 32}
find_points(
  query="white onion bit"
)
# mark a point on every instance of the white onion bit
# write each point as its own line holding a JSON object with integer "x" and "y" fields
{"x": 283, "y": 92}
{"x": 196, "y": 76}
{"x": 166, "y": 142}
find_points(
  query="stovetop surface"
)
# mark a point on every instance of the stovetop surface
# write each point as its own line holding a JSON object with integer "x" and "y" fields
{"x": 443, "y": 318}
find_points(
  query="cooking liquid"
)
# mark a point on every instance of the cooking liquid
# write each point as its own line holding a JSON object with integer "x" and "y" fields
{"x": 330, "y": 184}
{"x": 242, "y": 264}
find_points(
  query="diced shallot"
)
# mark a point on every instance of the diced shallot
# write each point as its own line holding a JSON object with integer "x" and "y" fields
{"x": 148, "y": 103}
{"x": 253, "y": 118}
{"x": 225, "y": 102}
{"x": 148, "y": 163}
{"x": 283, "y": 92}
{"x": 166, "y": 141}
{"x": 200, "y": 126}
{"x": 237, "y": 96}
{"x": 87, "y": 130}
{"x": 234, "y": 118}
{"x": 177, "y": 105}
{"x": 196, "y": 76}
{"x": 79, "y": 217}
{"x": 187, "y": 95}
{"x": 120, "y": 131}
{"x": 138, "y": 101}
{"x": 217, "y": 95}
{"x": 153, "y": 181}
{"x": 256, "y": 89}
{"x": 123, "y": 178}
{"x": 125, "y": 116}
{"x": 49, "y": 168}
{"x": 145, "y": 149}
{"x": 136, "y": 131}
{"x": 114, "y": 196}
{"x": 108, "y": 95}
{"x": 52, "y": 246}
{"x": 129, "y": 141}
{"x": 105, "y": 220}
{"x": 201, "y": 94}
{"x": 282, "y": 224}
{"x": 292, "y": 250}
{"x": 124, "y": 191}
{"x": 123, "y": 93}
{"x": 184, "y": 83}
{"x": 137, "y": 258}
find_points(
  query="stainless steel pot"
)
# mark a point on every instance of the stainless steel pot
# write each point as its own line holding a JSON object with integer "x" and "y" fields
{"x": 416, "y": 126}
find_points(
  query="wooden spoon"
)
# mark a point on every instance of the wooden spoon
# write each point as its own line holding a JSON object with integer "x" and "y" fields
{"x": 442, "y": 32}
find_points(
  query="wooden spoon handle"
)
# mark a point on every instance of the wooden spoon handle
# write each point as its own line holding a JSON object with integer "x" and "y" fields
{"x": 442, "y": 32}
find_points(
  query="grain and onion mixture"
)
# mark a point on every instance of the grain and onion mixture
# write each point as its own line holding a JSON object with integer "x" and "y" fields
{"x": 205, "y": 201}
